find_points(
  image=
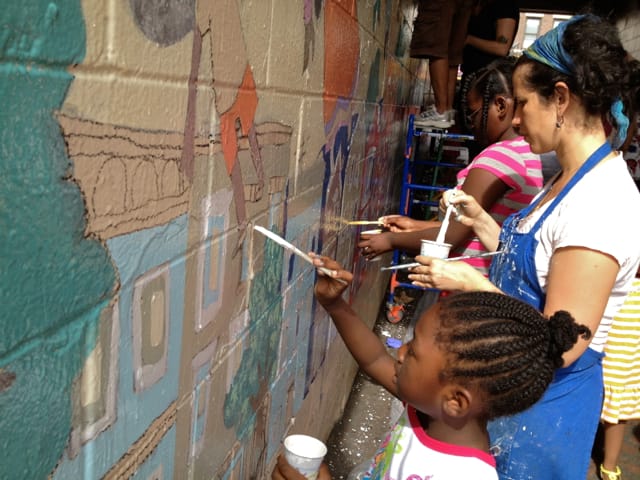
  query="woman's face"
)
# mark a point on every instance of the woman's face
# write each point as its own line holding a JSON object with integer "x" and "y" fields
{"x": 534, "y": 118}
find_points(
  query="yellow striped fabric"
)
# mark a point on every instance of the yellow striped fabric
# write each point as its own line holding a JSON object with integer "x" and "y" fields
{"x": 621, "y": 364}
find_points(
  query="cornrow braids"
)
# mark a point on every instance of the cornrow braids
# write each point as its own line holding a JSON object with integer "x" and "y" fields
{"x": 489, "y": 81}
{"x": 504, "y": 347}
{"x": 469, "y": 80}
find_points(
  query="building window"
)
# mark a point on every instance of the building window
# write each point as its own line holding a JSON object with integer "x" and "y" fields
{"x": 531, "y": 30}
{"x": 558, "y": 19}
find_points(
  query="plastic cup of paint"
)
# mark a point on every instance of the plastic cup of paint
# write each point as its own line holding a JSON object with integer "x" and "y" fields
{"x": 429, "y": 248}
{"x": 305, "y": 454}
{"x": 368, "y": 233}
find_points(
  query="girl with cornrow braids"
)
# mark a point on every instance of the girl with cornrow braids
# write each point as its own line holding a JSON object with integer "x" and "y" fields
{"x": 574, "y": 248}
{"x": 474, "y": 356}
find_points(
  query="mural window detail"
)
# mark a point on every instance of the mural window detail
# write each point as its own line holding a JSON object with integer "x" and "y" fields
{"x": 94, "y": 391}
{"x": 201, "y": 367}
{"x": 210, "y": 260}
{"x": 150, "y": 327}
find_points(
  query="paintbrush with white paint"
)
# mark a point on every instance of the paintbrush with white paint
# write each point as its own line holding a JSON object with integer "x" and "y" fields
{"x": 451, "y": 259}
{"x": 289, "y": 246}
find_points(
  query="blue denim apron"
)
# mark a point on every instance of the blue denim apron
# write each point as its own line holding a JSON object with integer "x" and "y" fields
{"x": 553, "y": 439}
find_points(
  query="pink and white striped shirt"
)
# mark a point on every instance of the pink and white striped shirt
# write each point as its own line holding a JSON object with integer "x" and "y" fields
{"x": 521, "y": 170}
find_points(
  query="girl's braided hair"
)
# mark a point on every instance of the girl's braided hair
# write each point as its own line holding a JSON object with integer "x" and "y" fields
{"x": 504, "y": 347}
{"x": 489, "y": 82}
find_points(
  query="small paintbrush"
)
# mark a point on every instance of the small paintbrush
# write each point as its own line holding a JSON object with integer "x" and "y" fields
{"x": 452, "y": 259}
{"x": 364, "y": 222}
{"x": 289, "y": 246}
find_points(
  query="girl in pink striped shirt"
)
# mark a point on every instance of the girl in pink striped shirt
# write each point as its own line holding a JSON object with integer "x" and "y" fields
{"x": 504, "y": 177}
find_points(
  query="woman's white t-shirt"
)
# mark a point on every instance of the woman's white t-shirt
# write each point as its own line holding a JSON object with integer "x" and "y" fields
{"x": 601, "y": 212}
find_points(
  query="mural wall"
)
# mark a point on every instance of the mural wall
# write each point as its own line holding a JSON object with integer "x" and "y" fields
{"x": 147, "y": 331}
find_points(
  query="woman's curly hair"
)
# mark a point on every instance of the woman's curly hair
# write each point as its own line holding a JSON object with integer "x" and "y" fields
{"x": 602, "y": 72}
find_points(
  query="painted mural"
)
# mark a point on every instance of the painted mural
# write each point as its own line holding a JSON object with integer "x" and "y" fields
{"x": 148, "y": 332}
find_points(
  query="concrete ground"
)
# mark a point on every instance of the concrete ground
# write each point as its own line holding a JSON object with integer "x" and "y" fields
{"x": 368, "y": 413}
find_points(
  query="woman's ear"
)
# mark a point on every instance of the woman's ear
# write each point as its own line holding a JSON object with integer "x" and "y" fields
{"x": 562, "y": 95}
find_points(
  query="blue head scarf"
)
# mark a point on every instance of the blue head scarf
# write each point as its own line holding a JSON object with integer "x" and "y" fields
{"x": 549, "y": 51}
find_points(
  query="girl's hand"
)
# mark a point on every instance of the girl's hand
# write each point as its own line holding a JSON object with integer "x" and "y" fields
{"x": 451, "y": 276}
{"x": 284, "y": 471}
{"x": 328, "y": 289}
{"x": 372, "y": 245}
{"x": 400, "y": 223}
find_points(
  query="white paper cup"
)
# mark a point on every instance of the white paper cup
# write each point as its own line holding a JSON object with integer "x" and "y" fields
{"x": 369, "y": 233}
{"x": 305, "y": 454}
{"x": 429, "y": 248}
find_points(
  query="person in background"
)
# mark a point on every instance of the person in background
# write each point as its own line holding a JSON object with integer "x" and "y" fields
{"x": 474, "y": 356}
{"x": 621, "y": 373}
{"x": 490, "y": 33}
{"x": 575, "y": 248}
{"x": 504, "y": 177}
{"x": 439, "y": 32}
{"x": 621, "y": 363}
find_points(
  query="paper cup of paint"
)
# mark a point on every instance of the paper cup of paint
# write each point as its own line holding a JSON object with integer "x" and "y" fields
{"x": 429, "y": 248}
{"x": 305, "y": 454}
{"x": 368, "y": 233}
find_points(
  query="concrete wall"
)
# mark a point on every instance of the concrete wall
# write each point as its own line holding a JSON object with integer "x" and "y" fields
{"x": 147, "y": 331}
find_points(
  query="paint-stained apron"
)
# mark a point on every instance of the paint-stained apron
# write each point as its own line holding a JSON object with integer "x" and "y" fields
{"x": 553, "y": 439}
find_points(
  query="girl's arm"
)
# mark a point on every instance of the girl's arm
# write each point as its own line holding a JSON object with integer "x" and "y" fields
{"x": 365, "y": 346}
{"x": 471, "y": 214}
{"x": 485, "y": 187}
{"x": 580, "y": 281}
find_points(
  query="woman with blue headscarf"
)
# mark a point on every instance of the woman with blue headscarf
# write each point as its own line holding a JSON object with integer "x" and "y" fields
{"x": 576, "y": 247}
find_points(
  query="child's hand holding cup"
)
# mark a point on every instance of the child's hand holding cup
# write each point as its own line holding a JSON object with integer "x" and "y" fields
{"x": 305, "y": 454}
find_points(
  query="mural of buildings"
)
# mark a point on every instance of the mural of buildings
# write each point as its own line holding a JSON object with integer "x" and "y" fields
{"x": 148, "y": 333}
